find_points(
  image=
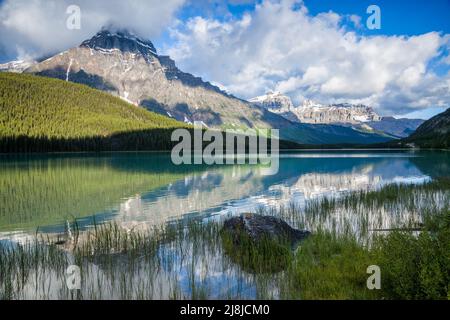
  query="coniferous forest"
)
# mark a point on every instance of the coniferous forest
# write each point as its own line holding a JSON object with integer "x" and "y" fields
{"x": 40, "y": 114}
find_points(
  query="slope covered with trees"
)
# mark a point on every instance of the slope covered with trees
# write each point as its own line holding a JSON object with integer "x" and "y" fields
{"x": 434, "y": 133}
{"x": 43, "y": 114}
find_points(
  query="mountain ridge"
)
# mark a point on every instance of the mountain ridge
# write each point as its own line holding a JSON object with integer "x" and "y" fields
{"x": 345, "y": 114}
{"x": 130, "y": 68}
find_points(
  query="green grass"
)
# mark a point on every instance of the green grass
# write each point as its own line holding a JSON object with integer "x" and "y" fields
{"x": 330, "y": 266}
{"x": 192, "y": 260}
{"x": 417, "y": 266}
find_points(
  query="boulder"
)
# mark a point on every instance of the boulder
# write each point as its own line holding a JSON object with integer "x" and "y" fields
{"x": 260, "y": 244}
{"x": 258, "y": 227}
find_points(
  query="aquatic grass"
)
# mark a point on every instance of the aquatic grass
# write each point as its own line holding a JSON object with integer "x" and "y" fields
{"x": 329, "y": 266}
{"x": 264, "y": 256}
{"x": 192, "y": 259}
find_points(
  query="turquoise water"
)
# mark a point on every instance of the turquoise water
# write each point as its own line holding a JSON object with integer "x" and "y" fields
{"x": 141, "y": 190}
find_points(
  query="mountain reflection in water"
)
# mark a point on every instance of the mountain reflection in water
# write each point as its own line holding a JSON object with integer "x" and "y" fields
{"x": 145, "y": 189}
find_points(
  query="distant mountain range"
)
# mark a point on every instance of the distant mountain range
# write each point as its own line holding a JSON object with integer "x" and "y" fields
{"x": 357, "y": 116}
{"x": 129, "y": 67}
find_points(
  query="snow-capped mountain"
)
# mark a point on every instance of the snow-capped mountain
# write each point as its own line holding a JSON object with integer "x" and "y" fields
{"x": 127, "y": 66}
{"x": 274, "y": 102}
{"x": 122, "y": 41}
{"x": 16, "y": 66}
{"x": 358, "y": 116}
{"x": 315, "y": 113}
{"x": 340, "y": 113}
{"x": 124, "y": 65}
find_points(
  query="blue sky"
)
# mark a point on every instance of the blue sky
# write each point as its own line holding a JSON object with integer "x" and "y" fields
{"x": 399, "y": 17}
{"x": 315, "y": 49}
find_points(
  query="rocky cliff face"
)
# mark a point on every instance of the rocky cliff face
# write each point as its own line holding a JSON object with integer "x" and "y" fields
{"x": 316, "y": 113}
{"x": 274, "y": 102}
{"x": 358, "y": 116}
{"x": 341, "y": 113}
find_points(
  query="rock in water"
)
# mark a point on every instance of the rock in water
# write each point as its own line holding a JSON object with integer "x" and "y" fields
{"x": 259, "y": 227}
{"x": 259, "y": 243}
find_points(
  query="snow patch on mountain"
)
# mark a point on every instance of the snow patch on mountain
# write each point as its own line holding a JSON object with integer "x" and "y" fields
{"x": 16, "y": 66}
{"x": 316, "y": 113}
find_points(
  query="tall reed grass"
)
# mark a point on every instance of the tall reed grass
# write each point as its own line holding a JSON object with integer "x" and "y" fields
{"x": 190, "y": 259}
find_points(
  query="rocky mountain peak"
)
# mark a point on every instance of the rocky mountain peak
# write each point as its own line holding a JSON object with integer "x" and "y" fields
{"x": 122, "y": 40}
{"x": 274, "y": 101}
{"x": 313, "y": 112}
{"x": 16, "y": 66}
{"x": 309, "y": 103}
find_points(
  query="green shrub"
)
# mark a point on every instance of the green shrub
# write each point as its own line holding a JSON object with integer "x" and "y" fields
{"x": 417, "y": 266}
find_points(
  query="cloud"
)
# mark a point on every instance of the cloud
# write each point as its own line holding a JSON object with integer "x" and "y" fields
{"x": 356, "y": 20}
{"x": 38, "y": 27}
{"x": 281, "y": 46}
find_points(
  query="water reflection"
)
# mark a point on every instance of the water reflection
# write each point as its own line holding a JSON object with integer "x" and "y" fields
{"x": 145, "y": 189}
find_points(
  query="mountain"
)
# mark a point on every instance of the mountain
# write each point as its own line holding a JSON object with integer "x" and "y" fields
{"x": 315, "y": 113}
{"x": 357, "y": 116}
{"x": 274, "y": 102}
{"x": 401, "y": 128}
{"x": 434, "y": 133}
{"x": 16, "y": 66}
{"x": 310, "y": 112}
{"x": 43, "y": 114}
{"x": 129, "y": 67}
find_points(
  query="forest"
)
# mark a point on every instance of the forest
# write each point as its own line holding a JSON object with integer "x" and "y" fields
{"x": 40, "y": 114}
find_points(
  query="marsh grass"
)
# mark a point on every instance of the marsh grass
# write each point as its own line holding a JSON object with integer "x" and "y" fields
{"x": 192, "y": 259}
{"x": 265, "y": 256}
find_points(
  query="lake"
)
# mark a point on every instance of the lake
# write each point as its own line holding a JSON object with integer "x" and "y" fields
{"x": 141, "y": 190}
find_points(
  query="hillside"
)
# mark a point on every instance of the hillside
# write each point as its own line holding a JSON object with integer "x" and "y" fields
{"x": 43, "y": 114}
{"x": 401, "y": 128}
{"x": 434, "y": 133}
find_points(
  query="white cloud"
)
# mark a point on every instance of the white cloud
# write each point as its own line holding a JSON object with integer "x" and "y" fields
{"x": 38, "y": 27}
{"x": 279, "y": 47}
{"x": 356, "y": 20}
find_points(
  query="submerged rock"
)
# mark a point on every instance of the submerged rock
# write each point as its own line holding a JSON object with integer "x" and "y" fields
{"x": 258, "y": 228}
{"x": 260, "y": 244}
